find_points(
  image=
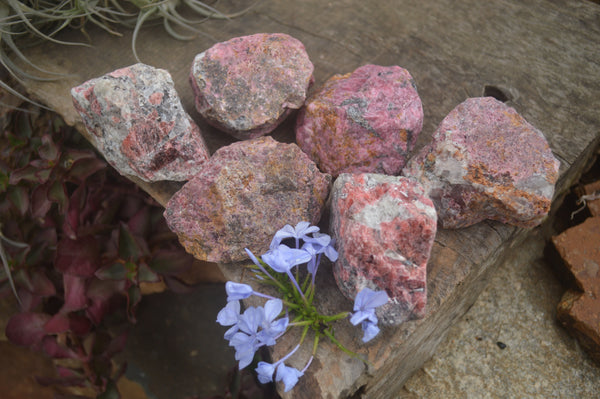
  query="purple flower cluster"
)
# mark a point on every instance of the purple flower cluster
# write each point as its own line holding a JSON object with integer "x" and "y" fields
{"x": 262, "y": 326}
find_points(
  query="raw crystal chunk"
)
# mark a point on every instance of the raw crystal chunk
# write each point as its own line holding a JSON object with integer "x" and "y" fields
{"x": 384, "y": 228}
{"x": 136, "y": 120}
{"x": 486, "y": 162}
{"x": 364, "y": 121}
{"x": 243, "y": 195}
{"x": 246, "y": 86}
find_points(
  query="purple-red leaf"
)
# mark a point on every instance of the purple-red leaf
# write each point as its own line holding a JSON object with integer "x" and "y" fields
{"x": 83, "y": 168}
{"x": 140, "y": 223}
{"x": 29, "y": 302}
{"x": 58, "y": 193}
{"x": 75, "y": 297}
{"x": 40, "y": 204}
{"x": 27, "y": 329}
{"x": 41, "y": 284}
{"x": 116, "y": 345}
{"x": 48, "y": 150}
{"x": 59, "y": 323}
{"x": 100, "y": 293}
{"x": 19, "y": 197}
{"x": 80, "y": 257}
{"x": 76, "y": 202}
{"x": 79, "y": 325}
{"x": 56, "y": 350}
{"x": 35, "y": 172}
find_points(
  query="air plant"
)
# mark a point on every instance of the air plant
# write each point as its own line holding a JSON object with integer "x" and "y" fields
{"x": 24, "y": 20}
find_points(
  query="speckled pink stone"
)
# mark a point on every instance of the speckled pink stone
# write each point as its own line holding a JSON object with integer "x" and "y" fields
{"x": 365, "y": 121}
{"x": 248, "y": 85}
{"x": 135, "y": 118}
{"x": 245, "y": 193}
{"x": 384, "y": 228}
{"x": 485, "y": 161}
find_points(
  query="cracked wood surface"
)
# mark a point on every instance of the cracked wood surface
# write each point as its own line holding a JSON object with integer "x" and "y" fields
{"x": 543, "y": 56}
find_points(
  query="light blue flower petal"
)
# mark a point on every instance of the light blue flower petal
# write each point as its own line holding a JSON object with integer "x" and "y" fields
{"x": 265, "y": 372}
{"x": 370, "y": 330}
{"x": 236, "y": 291}
{"x": 361, "y": 315}
{"x": 288, "y": 375}
{"x": 230, "y": 314}
{"x": 273, "y": 308}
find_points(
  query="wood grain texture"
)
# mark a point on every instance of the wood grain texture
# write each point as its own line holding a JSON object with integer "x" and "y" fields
{"x": 543, "y": 55}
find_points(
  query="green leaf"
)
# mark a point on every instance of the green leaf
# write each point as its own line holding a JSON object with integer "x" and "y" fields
{"x": 129, "y": 249}
{"x": 115, "y": 271}
{"x": 19, "y": 197}
{"x": 145, "y": 274}
{"x": 3, "y": 181}
{"x": 58, "y": 193}
{"x": 131, "y": 271}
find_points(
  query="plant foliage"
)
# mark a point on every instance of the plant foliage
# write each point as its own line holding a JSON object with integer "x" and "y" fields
{"x": 77, "y": 243}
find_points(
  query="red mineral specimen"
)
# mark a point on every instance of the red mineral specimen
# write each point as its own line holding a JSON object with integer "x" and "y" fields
{"x": 135, "y": 118}
{"x": 384, "y": 228}
{"x": 365, "y": 121}
{"x": 248, "y": 85}
{"x": 243, "y": 195}
{"x": 486, "y": 162}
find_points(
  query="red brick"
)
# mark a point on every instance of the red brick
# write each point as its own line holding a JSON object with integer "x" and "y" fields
{"x": 579, "y": 310}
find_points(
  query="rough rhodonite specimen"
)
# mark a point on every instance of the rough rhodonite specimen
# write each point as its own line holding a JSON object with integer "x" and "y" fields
{"x": 243, "y": 195}
{"x": 364, "y": 121}
{"x": 486, "y": 162}
{"x": 135, "y": 118}
{"x": 384, "y": 228}
{"x": 248, "y": 85}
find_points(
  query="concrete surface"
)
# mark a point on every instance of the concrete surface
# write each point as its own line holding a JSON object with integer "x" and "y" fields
{"x": 517, "y": 309}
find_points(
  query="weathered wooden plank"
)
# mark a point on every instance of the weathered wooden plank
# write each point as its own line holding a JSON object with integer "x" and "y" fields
{"x": 543, "y": 55}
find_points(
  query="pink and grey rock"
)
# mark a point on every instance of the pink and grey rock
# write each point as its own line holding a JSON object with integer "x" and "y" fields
{"x": 243, "y": 195}
{"x": 248, "y": 85}
{"x": 485, "y": 161}
{"x": 384, "y": 228}
{"x": 364, "y": 121}
{"x": 135, "y": 118}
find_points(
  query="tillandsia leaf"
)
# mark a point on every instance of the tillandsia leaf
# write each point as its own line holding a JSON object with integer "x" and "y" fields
{"x": 142, "y": 17}
{"x": 8, "y": 273}
{"x": 19, "y": 9}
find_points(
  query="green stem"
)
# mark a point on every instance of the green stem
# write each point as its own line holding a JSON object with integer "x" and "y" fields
{"x": 339, "y": 345}
{"x": 328, "y": 319}
{"x": 304, "y": 332}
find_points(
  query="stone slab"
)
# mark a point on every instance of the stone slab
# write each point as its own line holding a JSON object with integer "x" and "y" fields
{"x": 454, "y": 50}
